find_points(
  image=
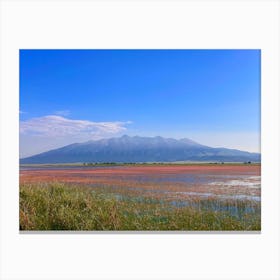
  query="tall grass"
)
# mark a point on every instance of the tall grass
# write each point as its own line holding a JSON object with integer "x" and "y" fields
{"x": 57, "y": 206}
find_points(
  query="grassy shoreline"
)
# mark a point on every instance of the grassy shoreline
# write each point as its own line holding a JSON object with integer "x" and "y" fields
{"x": 59, "y": 206}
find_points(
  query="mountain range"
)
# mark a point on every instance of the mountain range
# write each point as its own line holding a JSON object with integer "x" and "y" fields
{"x": 140, "y": 149}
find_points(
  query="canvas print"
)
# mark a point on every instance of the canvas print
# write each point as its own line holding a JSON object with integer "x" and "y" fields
{"x": 140, "y": 140}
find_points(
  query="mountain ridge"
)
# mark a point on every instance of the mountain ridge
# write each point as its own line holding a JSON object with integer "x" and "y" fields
{"x": 139, "y": 149}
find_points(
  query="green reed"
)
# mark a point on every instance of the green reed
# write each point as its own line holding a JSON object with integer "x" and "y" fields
{"x": 58, "y": 206}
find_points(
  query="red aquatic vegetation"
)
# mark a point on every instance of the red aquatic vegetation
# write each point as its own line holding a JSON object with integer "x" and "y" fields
{"x": 158, "y": 180}
{"x": 150, "y": 170}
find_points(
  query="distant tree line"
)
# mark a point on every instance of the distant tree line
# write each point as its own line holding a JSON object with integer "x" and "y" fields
{"x": 108, "y": 163}
{"x": 124, "y": 163}
{"x": 146, "y": 163}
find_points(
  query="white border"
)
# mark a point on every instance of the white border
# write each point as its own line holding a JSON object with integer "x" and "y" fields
{"x": 140, "y": 24}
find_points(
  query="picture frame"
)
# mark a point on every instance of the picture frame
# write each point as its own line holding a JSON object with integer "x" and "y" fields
{"x": 139, "y": 24}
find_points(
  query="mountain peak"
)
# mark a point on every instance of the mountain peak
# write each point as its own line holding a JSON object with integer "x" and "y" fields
{"x": 125, "y": 136}
{"x": 189, "y": 141}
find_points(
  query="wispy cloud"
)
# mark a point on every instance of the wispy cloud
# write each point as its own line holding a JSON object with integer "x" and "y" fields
{"x": 58, "y": 126}
{"x": 62, "y": 113}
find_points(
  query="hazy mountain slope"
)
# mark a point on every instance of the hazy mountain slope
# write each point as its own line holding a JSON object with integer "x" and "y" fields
{"x": 139, "y": 149}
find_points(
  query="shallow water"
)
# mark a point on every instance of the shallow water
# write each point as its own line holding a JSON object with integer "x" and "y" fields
{"x": 215, "y": 206}
{"x": 234, "y": 210}
{"x": 178, "y": 182}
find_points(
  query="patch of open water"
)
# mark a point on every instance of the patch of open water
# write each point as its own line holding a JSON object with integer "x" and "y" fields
{"x": 215, "y": 206}
{"x": 222, "y": 196}
{"x": 234, "y": 210}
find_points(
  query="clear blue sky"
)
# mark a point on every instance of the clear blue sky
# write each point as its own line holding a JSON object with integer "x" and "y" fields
{"x": 210, "y": 96}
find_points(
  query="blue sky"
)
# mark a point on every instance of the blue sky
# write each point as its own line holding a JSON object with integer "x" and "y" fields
{"x": 210, "y": 96}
